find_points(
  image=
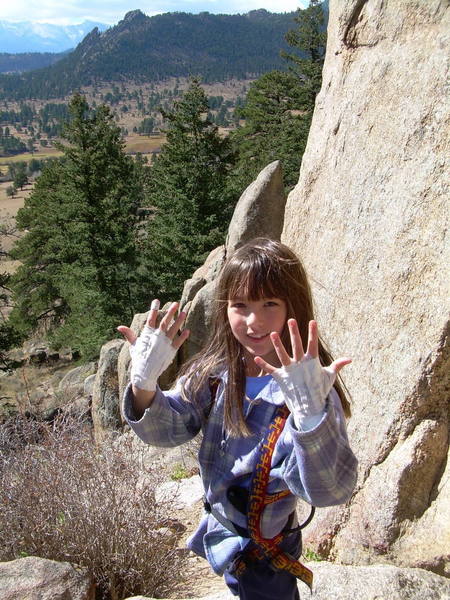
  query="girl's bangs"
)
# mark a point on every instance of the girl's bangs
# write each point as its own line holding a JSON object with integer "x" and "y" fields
{"x": 253, "y": 281}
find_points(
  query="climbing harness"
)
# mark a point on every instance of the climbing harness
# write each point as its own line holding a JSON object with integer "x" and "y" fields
{"x": 253, "y": 502}
{"x": 259, "y": 498}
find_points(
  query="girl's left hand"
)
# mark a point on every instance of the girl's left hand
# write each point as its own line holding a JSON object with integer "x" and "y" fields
{"x": 297, "y": 349}
{"x": 305, "y": 383}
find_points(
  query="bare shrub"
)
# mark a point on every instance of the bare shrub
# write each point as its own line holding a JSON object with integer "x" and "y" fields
{"x": 63, "y": 498}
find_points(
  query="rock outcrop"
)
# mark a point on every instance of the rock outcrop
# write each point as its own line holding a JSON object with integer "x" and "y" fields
{"x": 31, "y": 578}
{"x": 376, "y": 582}
{"x": 74, "y": 380}
{"x": 260, "y": 210}
{"x": 105, "y": 396}
{"x": 370, "y": 219}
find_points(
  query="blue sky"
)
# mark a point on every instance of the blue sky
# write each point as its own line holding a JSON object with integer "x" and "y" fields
{"x": 69, "y": 12}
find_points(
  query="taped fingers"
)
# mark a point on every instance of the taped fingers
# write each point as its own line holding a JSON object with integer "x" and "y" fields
{"x": 153, "y": 313}
{"x": 170, "y": 323}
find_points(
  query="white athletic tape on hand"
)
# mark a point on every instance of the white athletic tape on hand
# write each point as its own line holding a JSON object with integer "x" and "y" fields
{"x": 305, "y": 386}
{"x": 151, "y": 354}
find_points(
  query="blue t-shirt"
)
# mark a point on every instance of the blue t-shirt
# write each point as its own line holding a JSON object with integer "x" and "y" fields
{"x": 254, "y": 385}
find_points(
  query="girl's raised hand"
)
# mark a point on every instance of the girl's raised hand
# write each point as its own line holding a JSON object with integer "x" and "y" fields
{"x": 298, "y": 353}
{"x": 304, "y": 382}
{"x": 153, "y": 351}
{"x": 166, "y": 325}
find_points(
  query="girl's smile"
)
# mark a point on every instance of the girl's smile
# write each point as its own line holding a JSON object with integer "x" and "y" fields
{"x": 252, "y": 322}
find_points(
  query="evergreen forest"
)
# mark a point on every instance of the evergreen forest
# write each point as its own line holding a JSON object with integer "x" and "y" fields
{"x": 87, "y": 260}
{"x": 27, "y": 61}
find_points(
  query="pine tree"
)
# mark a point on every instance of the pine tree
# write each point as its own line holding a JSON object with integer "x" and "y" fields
{"x": 9, "y": 336}
{"x": 308, "y": 40}
{"x": 188, "y": 191}
{"x": 279, "y": 105}
{"x": 20, "y": 176}
{"x": 78, "y": 257}
{"x": 275, "y": 129}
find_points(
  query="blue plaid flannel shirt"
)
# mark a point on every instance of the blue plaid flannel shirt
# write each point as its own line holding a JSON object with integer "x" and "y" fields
{"x": 316, "y": 465}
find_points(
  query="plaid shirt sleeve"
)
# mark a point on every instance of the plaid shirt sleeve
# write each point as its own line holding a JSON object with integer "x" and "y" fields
{"x": 322, "y": 466}
{"x": 168, "y": 421}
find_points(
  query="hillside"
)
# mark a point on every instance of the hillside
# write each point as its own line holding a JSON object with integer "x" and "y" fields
{"x": 27, "y": 61}
{"x": 143, "y": 49}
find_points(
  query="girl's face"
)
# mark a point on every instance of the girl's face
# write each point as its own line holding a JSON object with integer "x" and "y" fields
{"x": 251, "y": 323}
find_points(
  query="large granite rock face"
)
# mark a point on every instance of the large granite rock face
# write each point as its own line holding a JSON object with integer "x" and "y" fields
{"x": 35, "y": 578}
{"x": 370, "y": 219}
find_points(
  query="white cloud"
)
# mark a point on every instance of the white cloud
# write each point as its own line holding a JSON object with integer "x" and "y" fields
{"x": 111, "y": 11}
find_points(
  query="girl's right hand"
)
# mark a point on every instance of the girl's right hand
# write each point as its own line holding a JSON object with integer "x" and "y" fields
{"x": 153, "y": 351}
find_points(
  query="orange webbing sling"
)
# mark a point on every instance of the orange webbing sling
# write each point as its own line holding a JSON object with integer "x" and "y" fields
{"x": 259, "y": 498}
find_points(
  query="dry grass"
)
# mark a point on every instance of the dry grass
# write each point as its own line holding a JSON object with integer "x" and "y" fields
{"x": 9, "y": 266}
{"x": 64, "y": 499}
{"x": 143, "y": 143}
{"x": 27, "y": 156}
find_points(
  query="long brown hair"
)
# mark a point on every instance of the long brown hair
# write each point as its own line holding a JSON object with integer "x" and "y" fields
{"x": 262, "y": 268}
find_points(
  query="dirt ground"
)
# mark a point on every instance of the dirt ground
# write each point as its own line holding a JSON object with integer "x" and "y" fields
{"x": 8, "y": 211}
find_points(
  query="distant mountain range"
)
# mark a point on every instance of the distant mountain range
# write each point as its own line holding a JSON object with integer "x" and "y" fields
{"x": 145, "y": 49}
{"x": 43, "y": 37}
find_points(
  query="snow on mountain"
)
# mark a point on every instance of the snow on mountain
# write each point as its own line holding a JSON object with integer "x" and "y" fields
{"x": 43, "y": 37}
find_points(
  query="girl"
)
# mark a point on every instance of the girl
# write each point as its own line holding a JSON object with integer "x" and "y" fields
{"x": 272, "y": 417}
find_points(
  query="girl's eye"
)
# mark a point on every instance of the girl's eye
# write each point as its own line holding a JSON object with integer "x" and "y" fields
{"x": 237, "y": 305}
{"x": 272, "y": 303}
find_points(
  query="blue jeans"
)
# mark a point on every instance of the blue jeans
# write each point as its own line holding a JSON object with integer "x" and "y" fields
{"x": 260, "y": 581}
